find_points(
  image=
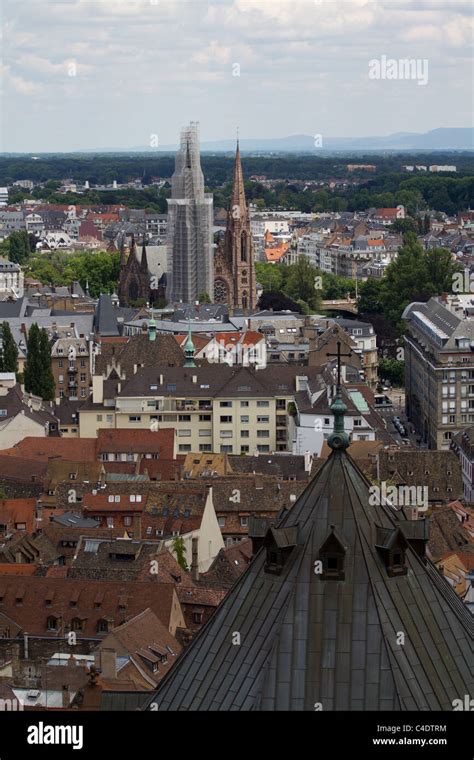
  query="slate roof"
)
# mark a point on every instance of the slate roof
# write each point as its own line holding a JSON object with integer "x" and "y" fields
{"x": 306, "y": 640}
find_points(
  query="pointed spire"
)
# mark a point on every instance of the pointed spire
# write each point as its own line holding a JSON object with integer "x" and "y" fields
{"x": 144, "y": 261}
{"x": 189, "y": 349}
{"x": 123, "y": 259}
{"x": 238, "y": 189}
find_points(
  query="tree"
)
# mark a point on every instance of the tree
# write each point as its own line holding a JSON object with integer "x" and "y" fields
{"x": 275, "y": 301}
{"x": 39, "y": 378}
{"x": 9, "y": 355}
{"x": 33, "y": 361}
{"x": 393, "y": 371}
{"x": 180, "y": 552}
{"x": 415, "y": 275}
{"x": 301, "y": 282}
{"x": 204, "y": 297}
{"x": 269, "y": 276}
{"x": 370, "y": 296}
{"x": 19, "y": 247}
{"x": 47, "y": 377}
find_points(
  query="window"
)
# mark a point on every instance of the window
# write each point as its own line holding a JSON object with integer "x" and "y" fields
{"x": 76, "y": 624}
{"x": 99, "y": 418}
{"x": 263, "y": 420}
{"x": 52, "y": 623}
{"x": 244, "y": 449}
{"x": 184, "y": 433}
{"x": 60, "y": 378}
{"x": 357, "y": 423}
{"x": 197, "y": 617}
{"x": 225, "y": 403}
{"x": 127, "y": 521}
{"x": 203, "y": 447}
{"x": 244, "y": 521}
{"x": 171, "y": 387}
{"x": 184, "y": 418}
{"x": 245, "y": 434}
{"x": 134, "y": 418}
{"x": 109, "y": 417}
{"x": 102, "y": 626}
{"x": 263, "y": 434}
{"x": 244, "y": 403}
{"x": 226, "y": 449}
{"x": 263, "y": 403}
{"x": 244, "y": 419}
{"x": 221, "y": 521}
{"x": 184, "y": 447}
{"x": 226, "y": 434}
{"x": 83, "y": 377}
{"x": 204, "y": 418}
{"x": 263, "y": 449}
{"x": 110, "y": 522}
{"x": 83, "y": 392}
{"x": 83, "y": 362}
{"x": 226, "y": 418}
{"x": 60, "y": 364}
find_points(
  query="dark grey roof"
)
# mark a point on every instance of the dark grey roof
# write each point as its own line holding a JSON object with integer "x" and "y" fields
{"x": 306, "y": 640}
{"x": 10, "y": 309}
{"x": 105, "y": 318}
{"x": 71, "y": 519}
{"x": 125, "y": 701}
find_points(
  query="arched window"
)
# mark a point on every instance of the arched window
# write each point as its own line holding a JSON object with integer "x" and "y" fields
{"x": 244, "y": 246}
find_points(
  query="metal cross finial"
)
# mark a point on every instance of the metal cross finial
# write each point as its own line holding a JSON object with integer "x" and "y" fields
{"x": 339, "y": 355}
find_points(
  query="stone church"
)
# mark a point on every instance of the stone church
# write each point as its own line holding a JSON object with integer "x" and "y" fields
{"x": 135, "y": 280}
{"x": 234, "y": 267}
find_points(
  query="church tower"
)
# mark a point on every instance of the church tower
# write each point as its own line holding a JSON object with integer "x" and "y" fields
{"x": 234, "y": 281}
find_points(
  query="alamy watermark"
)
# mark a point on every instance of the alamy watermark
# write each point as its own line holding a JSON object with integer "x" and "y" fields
{"x": 399, "y": 496}
{"x": 412, "y": 69}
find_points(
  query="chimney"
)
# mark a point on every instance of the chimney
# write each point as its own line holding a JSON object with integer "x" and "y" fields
{"x": 66, "y": 701}
{"x": 97, "y": 389}
{"x": 308, "y": 460}
{"x": 106, "y": 660}
{"x": 195, "y": 562}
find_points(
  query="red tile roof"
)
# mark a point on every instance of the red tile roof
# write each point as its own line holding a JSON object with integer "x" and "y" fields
{"x": 13, "y": 511}
{"x": 42, "y": 449}
{"x": 100, "y": 502}
{"x": 30, "y": 603}
{"x": 17, "y": 569}
{"x": 137, "y": 442}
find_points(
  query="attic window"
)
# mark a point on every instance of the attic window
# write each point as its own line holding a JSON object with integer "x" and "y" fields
{"x": 332, "y": 554}
{"x": 391, "y": 545}
{"x": 279, "y": 543}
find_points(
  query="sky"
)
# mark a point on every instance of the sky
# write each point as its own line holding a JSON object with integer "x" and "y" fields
{"x": 82, "y": 75}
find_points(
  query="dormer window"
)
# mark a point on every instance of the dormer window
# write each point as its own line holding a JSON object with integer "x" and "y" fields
{"x": 279, "y": 543}
{"x": 391, "y": 544}
{"x": 332, "y": 554}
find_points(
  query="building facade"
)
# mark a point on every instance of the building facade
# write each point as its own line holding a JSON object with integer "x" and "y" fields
{"x": 439, "y": 369}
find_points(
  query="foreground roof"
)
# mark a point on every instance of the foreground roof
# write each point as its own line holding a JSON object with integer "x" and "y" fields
{"x": 332, "y": 640}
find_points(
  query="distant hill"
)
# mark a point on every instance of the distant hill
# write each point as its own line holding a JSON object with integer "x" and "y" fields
{"x": 445, "y": 138}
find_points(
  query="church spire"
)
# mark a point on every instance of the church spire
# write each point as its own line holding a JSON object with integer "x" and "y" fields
{"x": 123, "y": 259}
{"x": 144, "y": 260}
{"x": 238, "y": 189}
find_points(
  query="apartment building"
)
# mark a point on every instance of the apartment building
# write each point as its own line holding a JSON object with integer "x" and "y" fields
{"x": 236, "y": 410}
{"x": 439, "y": 368}
{"x": 71, "y": 364}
